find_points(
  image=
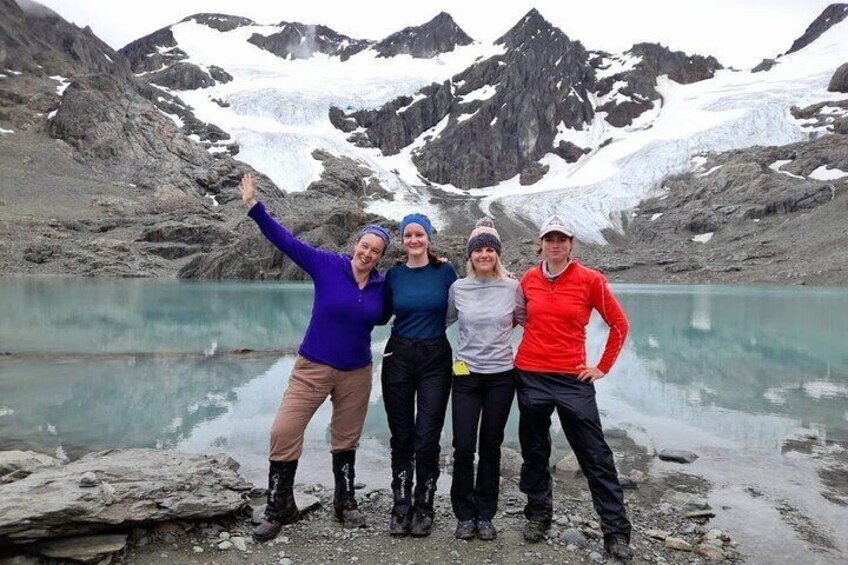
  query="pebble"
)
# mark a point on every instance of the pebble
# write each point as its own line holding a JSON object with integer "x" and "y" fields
{"x": 658, "y": 534}
{"x": 224, "y": 536}
{"x": 197, "y": 549}
{"x": 225, "y": 545}
{"x": 359, "y": 486}
{"x": 286, "y": 561}
{"x": 572, "y": 536}
{"x": 711, "y": 551}
{"x": 678, "y": 544}
{"x": 688, "y": 528}
{"x": 240, "y": 543}
{"x": 596, "y": 557}
{"x": 714, "y": 534}
{"x": 88, "y": 480}
{"x": 677, "y": 456}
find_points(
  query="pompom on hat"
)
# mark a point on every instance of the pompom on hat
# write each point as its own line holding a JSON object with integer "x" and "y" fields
{"x": 484, "y": 235}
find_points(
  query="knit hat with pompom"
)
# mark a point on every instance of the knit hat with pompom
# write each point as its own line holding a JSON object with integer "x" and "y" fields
{"x": 484, "y": 235}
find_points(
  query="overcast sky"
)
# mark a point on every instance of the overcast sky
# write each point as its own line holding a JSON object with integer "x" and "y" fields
{"x": 738, "y": 32}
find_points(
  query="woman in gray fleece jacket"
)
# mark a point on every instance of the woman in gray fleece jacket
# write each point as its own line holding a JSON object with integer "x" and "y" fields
{"x": 484, "y": 305}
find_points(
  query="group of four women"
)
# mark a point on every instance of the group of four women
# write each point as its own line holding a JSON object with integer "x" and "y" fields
{"x": 553, "y": 302}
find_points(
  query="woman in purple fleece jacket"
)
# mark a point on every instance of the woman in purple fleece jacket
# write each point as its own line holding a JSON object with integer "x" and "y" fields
{"x": 334, "y": 359}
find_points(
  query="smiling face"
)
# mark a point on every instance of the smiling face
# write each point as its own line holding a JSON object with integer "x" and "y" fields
{"x": 415, "y": 240}
{"x": 367, "y": 252}
{"x": 484, "y": 260}
{"x": 556, "y": 247}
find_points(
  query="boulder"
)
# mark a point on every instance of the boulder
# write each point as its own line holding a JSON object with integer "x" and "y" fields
{"x": 678, "y": 455}
{"x": 839, "y": 81}
{"x": 16, "y": 465}
{"x": 136, "y": 486}
{"x": 88, "y": 549}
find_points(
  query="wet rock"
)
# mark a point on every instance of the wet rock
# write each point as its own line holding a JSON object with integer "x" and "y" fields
{"x": 677, "y": 456}
{"x": 839, "y": 81}
{"x": 87, "y": 549}
{"x": 678, "y": 544}
{"x": 145, "y": 485}
{"x": 700, "y": 514}
{"x": 657, "y": 534}
{"x": 686, "y": 501}
{"x": 711, "y": 551}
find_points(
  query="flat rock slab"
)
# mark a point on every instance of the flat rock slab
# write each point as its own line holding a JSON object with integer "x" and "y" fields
{"x": 86, "y": 549}
{"x": 677, "y": 456}
{"x": 18, "y": 464}
{"x": 134, "y": 487}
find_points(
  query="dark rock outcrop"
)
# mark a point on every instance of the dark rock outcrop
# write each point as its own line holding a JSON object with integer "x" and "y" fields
{"x": 764, "y": 65}
{"x": 830, "y": 115}
{"x": 639, "y": 93}
{"x": 182, "y": 76}
{"x": 220, "y": 22}
{"x": 153, "y": 52}
{"x": 831, "y": 16}
{"x": 839, "y": 81}
{"x": 300, "y": 41}
{"x": 439, "y": 35}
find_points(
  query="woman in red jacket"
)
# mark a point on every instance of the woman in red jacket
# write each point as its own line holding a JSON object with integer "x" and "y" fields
{"x": 559, "y": 296}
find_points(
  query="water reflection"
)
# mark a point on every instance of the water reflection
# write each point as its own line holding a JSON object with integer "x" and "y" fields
{"x": 734, "y": 365}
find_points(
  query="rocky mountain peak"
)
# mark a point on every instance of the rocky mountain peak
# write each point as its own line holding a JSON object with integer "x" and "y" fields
{"x": 296, "y": 40}
{"x": 533, "y": 27}
{"x": 439, "y": 35}
{"x": 832, "y": 15}
{"x": 221, "y": 22}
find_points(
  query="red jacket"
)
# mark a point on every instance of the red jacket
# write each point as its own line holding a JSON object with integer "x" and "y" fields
{"x": 557, "y": 314}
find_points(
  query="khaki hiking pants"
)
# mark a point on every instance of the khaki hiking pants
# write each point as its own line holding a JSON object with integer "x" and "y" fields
{"x": 309, "y": 385}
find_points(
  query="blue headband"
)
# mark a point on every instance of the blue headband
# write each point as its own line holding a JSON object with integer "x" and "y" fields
{"x": 374, "y": 229}
{"x": 421, "y": 220}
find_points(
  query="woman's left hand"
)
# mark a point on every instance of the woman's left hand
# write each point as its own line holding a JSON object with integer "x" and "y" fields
{"x": 589, "y": 374}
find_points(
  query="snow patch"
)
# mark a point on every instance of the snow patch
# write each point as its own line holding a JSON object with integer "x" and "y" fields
{"x": 214, "y": 203}
{"x": 823, "y": 389}
{"x": 825, "y": 173}
{"x": 52, "y": 114}
{"x": 703, "y": 238}
{"x": 64, "y": 83}
{"x": 656, "y": 216}
{"x": 5, "y": 131}
{"x": 482, "y": 93}
{"x": 616, "y": 64}
{"x": 711, "y": 171}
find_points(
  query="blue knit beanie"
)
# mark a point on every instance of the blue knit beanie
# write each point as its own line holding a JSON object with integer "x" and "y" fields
{"x": 421, "y": 220}
{"x": 379, "y": 231}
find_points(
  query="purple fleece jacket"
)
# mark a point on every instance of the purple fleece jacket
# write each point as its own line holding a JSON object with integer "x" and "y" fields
{"x": 343, "y": 315}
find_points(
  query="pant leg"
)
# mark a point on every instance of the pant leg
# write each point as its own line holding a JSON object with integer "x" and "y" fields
{"x": 432, "y": 394}
{"x": 309, "y": 385}
{"x": 398, "y": 380}
{"x": 581, "y": 422}
{"x": 536, "y": 405}
{"x": 466, "y": 402}
{"x": 498, "y": 392}
{"x": 350, "y": 395}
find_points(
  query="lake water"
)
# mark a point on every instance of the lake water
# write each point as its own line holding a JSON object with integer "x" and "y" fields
{"x": 735, "y": 374}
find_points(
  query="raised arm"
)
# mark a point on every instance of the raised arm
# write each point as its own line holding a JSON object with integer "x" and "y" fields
{"x": 305, "y": 256}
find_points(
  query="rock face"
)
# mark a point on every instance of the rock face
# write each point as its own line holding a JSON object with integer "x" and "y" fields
{"x": 839, "y": 81}
{"x": 182, "y": 76}
{"x": 439, "y": 35}
{"x": 639, "y": 94}
{"x": 301, "y": 41}
{"x": 221, "y": 22}
{"x": 334, "y": 202}
{"x": 832, "y": 116}
{"x": 756, "y": 215}
{"x": 831, "y": 16}
{"x": 500, "y": 116}
{"x": 136, "y": 486}
{"x": 153, "y": 52}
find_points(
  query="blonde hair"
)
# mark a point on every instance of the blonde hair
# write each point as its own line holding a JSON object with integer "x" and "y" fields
{"x": 500, "y": 271}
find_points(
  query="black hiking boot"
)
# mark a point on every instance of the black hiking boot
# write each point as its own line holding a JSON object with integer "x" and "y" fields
{"x": 486, "y": 530}
{"x": 534, "y": 530}
{"x": 281, "y": 509}
{"x": 618, "y": 547}
{"x": 401, "y": 518}
{"x": 466, "y": 529}
{"x": 425, "y": 492}
{"x": 344, "y": 498}
{"x": 422, "y": 523}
